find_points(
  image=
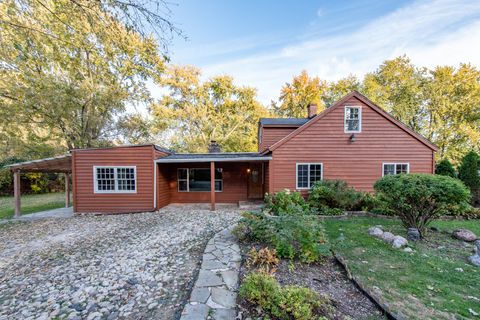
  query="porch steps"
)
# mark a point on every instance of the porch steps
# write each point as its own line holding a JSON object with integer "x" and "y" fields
{"x": 251, "y": 205}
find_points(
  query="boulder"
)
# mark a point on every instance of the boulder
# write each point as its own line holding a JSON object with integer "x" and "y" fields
{"x": 475, "y": 259}
{"x": 413, "y": 234}
{"x": 399, "y": 241}
{"x": 387, "y": 237}
{"x": 408, "y": 249}
{"x": 464, "y": 235}
{"x": 375, "y": 231}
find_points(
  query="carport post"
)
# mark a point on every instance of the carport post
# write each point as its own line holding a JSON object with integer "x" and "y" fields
{"x": 212, "y": 186}
{"x": 67, "y": 190}
{"x": 16, "y": 192}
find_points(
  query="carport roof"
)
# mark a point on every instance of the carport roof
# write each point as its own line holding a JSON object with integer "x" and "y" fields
{"x": 56, "y": 164}
{"x": 215, "y": 157}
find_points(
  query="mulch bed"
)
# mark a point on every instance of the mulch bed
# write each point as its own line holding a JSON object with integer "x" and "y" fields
{"x": 327, "y": 278}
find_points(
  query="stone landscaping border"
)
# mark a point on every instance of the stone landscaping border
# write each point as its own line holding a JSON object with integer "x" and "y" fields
{"x": 382, "y": 305}
{"x": 214, "y": 294}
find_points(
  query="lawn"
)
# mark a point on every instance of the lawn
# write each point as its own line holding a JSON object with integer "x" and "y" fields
{"x": 426, "y": 284}
{"x": 32, "y": 203}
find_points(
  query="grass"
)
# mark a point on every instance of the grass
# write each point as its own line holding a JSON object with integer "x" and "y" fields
{"x": 424, "y": 284}
{"x": 32, "y": 203}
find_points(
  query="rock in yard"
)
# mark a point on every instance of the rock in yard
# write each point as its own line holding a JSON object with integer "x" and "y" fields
{"x": 475, "y": 259}
{"x": 399, "y": 241}
{"x": 464, "y": 235}
{"x": 388, "y": 237}
{"x": 408, "y": 249}
{"x": 413, "y": 234}
{"x": 375, "y": 231}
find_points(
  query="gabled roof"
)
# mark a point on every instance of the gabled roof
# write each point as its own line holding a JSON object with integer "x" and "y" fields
{"x": 217, "y": 157}
{"x": 362, "y": 98}
{"x": 283, "y": 121}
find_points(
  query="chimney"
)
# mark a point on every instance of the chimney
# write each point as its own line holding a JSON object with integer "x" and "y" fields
{"x": 312, "y": 110}
{"x": 214, "y": 147}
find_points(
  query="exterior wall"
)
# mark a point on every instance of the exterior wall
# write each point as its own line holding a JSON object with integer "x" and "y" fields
{"x": 234, "y": 184}
{"x": 85, "y": 200}
{"x": 270, "y": 135}
{"x": 358, "y": 163}
{"x": 266, "y": 174}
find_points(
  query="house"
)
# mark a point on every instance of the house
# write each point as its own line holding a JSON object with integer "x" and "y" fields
{"x": 353, "y": 140}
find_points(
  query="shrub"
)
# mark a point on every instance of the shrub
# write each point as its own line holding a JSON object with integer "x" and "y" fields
{"x": 468, "y": 172}
{"x": 292, "y": 237}
{"x": 286, "y": 203}
{"x": 265, "y": 259}
{"x": 335, "y": 194}
{"x": 417, "y": 199}
{"x": 290, "y": 302}
{"x": 445, "y": 168}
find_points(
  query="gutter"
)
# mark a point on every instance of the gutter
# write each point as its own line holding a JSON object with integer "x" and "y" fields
{"x": 163, "y": 160}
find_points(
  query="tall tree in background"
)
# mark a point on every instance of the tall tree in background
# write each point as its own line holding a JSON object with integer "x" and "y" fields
{"x": 68, "y": 68}
{"x": 338, "y": 89}
{"x": 295, "y": 96}
{"x": 469, "y": 173}
{"x": 196, "y": 112}
{"x": 453, "y": 109}
{"x": 397, "y": 85}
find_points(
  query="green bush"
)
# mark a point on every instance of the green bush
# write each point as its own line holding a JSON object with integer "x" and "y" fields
{"x": 300, "y": 237}
{"x": 445, "y": 168}
{"x": 286, "y": 203}
{"x": 289, "y": 302}
{"x": 336, "y": 194}
{"x": 417, "y": 198}
{"x": 469, "y": 173}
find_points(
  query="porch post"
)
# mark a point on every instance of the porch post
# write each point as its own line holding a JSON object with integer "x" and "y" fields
{"x": 212, "y": 186}
{"x": 16, "y": 192}
{"x": 67, "y": 190}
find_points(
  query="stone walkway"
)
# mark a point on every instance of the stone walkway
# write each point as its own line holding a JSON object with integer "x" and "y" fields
{"x": 215, "y": 292}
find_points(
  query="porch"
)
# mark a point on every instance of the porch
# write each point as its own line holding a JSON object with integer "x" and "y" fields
{"x": 211, "y": 178}
{"x": 61, "y": 164}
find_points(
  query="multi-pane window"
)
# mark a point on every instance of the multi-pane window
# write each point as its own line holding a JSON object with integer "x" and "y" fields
{"x": 115, "y": 179}
{"x": 198, "y": 179}
{"x": 353, "y": 119}
{"x": 395, "y": 168}
{"x": 105, "y": 179}
{"x": 308, "y": 174}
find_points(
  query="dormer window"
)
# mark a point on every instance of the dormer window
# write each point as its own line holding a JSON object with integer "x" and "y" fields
{"x": 353, "y": 119}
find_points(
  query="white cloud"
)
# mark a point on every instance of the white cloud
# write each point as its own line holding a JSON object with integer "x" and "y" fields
{"x": 436, "y": 32}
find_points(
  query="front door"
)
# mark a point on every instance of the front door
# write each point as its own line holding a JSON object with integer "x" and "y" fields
{"x": 255, "y": 181}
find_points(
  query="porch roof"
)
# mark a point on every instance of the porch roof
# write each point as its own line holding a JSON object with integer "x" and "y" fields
{"x": 213, "y": 157}
{"x": 55, "y": 164}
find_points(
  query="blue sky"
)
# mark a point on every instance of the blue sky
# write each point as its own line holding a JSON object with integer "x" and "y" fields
{"x": 264, "y": 43}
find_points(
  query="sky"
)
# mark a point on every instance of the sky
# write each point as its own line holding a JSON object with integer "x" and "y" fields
{"x": 264, "y": 43}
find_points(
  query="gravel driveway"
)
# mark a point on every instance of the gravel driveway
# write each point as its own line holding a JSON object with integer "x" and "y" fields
{"x": 135, "y": 266}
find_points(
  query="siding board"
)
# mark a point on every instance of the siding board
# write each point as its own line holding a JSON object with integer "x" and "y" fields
{"x": 358, "y": 163}
{"x": 88, "y": 201}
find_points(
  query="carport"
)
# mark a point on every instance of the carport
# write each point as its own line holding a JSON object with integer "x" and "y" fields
{"x": 61, "y": 164}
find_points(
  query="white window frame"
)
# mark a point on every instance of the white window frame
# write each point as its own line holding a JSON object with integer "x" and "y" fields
{"x": 188, "y": 179}
{"x": 359, "y": 119}
{"x": 308, "y": 177}
{"x": 395, "y": 164}
{"x": 95, "y": 179}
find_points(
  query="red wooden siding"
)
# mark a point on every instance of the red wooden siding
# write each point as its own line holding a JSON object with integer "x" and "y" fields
{"x": 358, "y": 163}
{"x": 85, "y": 200}
{"x": 270, "y": 135}
{"x": 266, "y": 174}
